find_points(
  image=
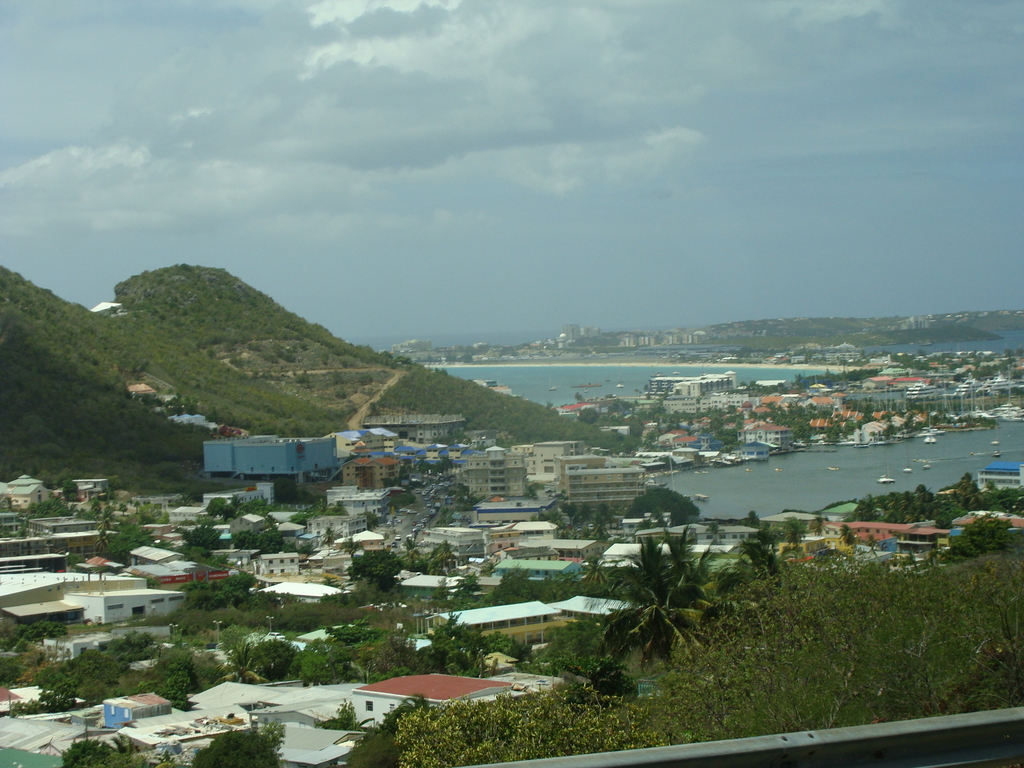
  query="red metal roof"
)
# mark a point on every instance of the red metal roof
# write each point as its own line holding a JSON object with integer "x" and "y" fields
{"x": 434, "y": 687}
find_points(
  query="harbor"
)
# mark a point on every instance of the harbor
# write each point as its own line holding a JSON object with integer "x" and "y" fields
{"x": 808, "y": 480}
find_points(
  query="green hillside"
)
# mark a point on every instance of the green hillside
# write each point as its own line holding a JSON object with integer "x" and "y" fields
{"x": 207, "y": 343}
{"x": 64, "y": 410}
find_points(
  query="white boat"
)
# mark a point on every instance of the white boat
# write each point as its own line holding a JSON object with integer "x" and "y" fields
{"x": 930, "y": 439}
{"x": 927, "y": 466}
{"x": 833, "y": 469}
{"x": 908, "y": 470}
{"x": 886, "y": 480}
{"x": 917, "y": 391}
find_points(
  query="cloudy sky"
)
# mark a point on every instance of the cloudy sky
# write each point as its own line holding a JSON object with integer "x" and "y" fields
{"x": 423, "y": 168}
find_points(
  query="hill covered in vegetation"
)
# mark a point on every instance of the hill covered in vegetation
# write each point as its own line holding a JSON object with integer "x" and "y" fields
{"x": 207, "y": 343}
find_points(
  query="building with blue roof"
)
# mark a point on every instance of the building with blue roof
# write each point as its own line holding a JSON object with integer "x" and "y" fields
{"x": 266, "y": 456}
{"x": 1002, "y": 474}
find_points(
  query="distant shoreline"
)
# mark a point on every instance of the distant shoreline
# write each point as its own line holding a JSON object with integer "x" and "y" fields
{"x": 634, "y": 364}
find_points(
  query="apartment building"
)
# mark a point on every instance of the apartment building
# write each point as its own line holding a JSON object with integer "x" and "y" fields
{"x": 495, "y": 472}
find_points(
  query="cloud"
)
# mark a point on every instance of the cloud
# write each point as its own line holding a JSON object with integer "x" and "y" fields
{"x": 424, "y": 128}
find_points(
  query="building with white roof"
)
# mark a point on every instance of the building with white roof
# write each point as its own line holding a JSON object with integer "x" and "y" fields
{"x": 526, "y": 622}
{"x": 306, "y": 593}
{"x": 587, "y": 607}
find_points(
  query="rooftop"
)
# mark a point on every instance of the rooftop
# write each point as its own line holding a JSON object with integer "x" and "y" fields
{"x": 433, "y": 687}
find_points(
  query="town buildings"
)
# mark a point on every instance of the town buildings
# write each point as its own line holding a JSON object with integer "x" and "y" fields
{"x": 495, "y": 471}
{"x": 306, "y": 459}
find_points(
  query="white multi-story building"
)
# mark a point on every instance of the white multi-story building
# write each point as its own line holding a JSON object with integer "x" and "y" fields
{"x": 358, "y": 501}
{"x": 340, "y": 527}
{"x": 278, "y": 564}
{"x": 542, "y": 458}
{"x": 495, "y": 472}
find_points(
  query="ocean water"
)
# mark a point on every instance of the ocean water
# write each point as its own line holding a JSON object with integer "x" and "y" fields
{"x": 535, "y": 382}
{"x": 805, "y": 482}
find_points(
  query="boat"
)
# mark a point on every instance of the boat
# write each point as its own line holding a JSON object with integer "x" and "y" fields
{"x": 700, "y": 497}
{"x": 748, "y": 469}
{"x": 930, "y": 439}
{"x": 927, "y": 466}
{"x": 996, "y": 454}
{"x": 552, "y": 389}
{"x": 620, "y": 385}
{"x": 995, "y": 442}
{"x": 833, "y": 469}
{"x": 778, "y": 469}
{"x": 886, "y": 480}
{"x": 908, "y": 470}
{"x": 917, "y": 391}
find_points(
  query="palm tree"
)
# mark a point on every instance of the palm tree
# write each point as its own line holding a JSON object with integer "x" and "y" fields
{"x": 713, "y": 528}
{"x": 793, "y": 530}
{"x": 847, "y": 536}
{"x": 757, "y": 560}
{"x": 668, "y": 591}
{"x": 593, "y": 572}
{"x": 442, "y": 558}
{"x": 817, "y": 525}
{"x": 241, "y": 663}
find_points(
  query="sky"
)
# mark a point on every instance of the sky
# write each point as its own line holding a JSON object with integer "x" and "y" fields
{"x": 419, "y": 169}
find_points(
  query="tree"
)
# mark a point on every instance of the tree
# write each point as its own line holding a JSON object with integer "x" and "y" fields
{"x": 273, "y": 659}
{"x": 88, "y": 753}
{"x": 510, "y": 729}
{"x": 60, "y": 696}
{"x": 203, "y": 536}
{"x": 983, "y": 535}
{"x": 380, "y": 568}
{"x": 667, "y": 504}
{"x": 793, "y": 531}
{"x": 344, "y": 720}
{"x": 180, "y": 678}
{"x": 240, "y": 749}
{"x": 242, "y": 662}
{"x": 668, "y": 589}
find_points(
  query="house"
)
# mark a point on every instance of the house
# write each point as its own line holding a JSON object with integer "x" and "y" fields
{"x": 26, "y": 490}
{"x": 581, "y": 607}
{"x": 278, "y": 564}
{"x": 755, "y": 451}
{"x": 576, "y": 550}
{"x": 331, "y": 528}
{"x": 304, "y": 593}
{"x": 247, "y": 524}
{"x": 424, "y": 585}
{"x": 501, "y": 510}
{"x": 539, "y": 569}
{"x": 375, "y": 701}
{"x": 772, "y": 434}
{"x": 524, "y": 622}
{"x": 117, "y": 712}
{"x": 464, "y": 542}
{"x": 370, "y": 541}
{"x": 359, "y": 501}
{"x": 371, "y": 472}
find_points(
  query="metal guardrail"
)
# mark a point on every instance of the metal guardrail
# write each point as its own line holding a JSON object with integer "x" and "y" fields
{"x": 974, "y": 740}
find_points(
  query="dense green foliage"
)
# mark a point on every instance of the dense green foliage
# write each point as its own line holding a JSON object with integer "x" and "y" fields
{"x": 533, "y": 727}
{"x": 670, "y": 507}
{"x": 241, "y": 749}
{"x": 844, "y": 644}
{"x": 64, "y": 406}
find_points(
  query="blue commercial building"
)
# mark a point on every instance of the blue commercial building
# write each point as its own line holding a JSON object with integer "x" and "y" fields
{"x": 1002, "y": 474}
{"x": 306, "y": 459}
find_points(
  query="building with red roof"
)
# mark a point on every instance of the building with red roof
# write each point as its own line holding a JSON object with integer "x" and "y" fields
{"x": 374, "y": 701}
